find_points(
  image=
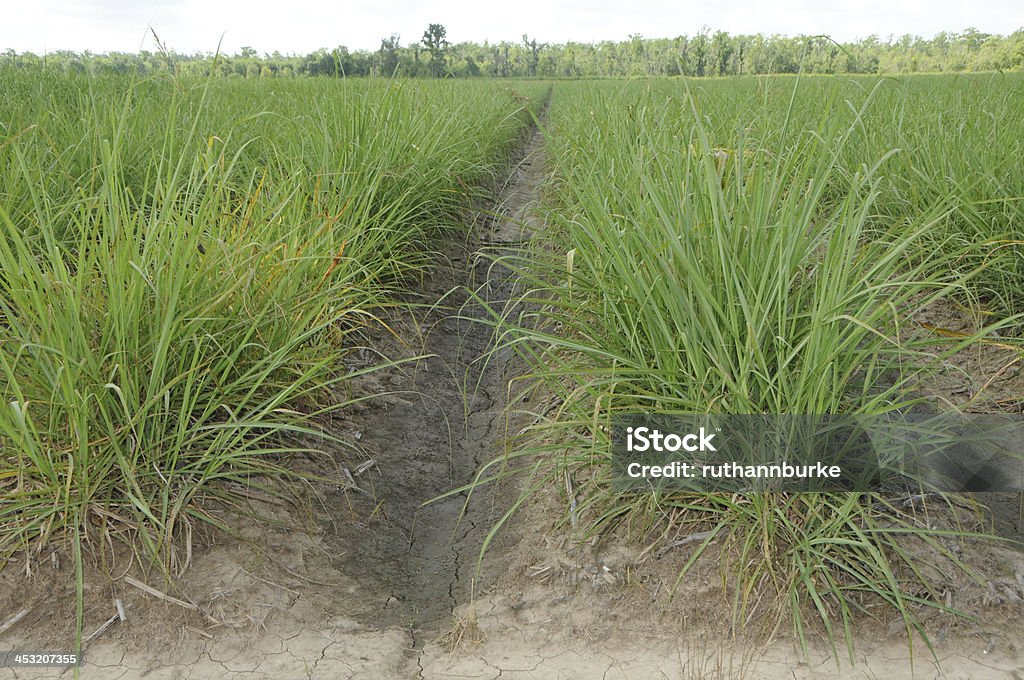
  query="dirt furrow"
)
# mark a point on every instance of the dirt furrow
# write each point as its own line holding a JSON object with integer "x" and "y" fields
{"x": 413, "y": 557}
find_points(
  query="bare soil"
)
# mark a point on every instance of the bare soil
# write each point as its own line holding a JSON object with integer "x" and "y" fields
{"x": 986, "y": 376}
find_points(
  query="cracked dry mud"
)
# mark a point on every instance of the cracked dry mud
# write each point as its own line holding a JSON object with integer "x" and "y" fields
{"x": 373, "y": 589}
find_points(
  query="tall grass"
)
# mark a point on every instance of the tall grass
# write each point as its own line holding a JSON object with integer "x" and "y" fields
{"x": 957, "y": 142}
{"x": 180, "y": 265}
{"x": 745, "y": 247}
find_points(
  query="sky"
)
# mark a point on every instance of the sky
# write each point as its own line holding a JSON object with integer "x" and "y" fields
{"x": 302, "y": 26}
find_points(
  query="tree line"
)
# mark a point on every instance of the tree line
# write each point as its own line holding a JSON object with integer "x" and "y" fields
{"x": 706, "y": 53}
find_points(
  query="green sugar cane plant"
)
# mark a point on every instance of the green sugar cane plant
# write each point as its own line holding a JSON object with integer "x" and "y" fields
{"x": 705, "y": 257}
{"x": 181, "y": 265}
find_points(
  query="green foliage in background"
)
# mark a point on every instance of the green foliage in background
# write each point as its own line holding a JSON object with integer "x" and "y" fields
{"x": 706, "y": 53}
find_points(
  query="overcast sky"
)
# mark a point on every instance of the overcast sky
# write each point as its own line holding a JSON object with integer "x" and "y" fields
{"x": 302, "y": 26}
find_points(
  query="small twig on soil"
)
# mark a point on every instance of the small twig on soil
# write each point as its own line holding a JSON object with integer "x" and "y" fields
{"x": 13, "y": 620}
{"x": 119, "y": 616}
{"x": 364, "y": 466}
{"x": 350, "y": 484}
{"x": 156, "y": 593}
{"x": 685, "y": 540}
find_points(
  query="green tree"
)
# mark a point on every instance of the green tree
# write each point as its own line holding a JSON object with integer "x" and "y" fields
{"x": 700, "y": 51}
{"x": 533, "y": 54}
{"x": 723, "y": 49}
{"x": 435, "y": 40}
{"x": 389, "y": 57}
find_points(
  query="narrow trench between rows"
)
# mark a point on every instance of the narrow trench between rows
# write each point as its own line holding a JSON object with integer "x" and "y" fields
{"x": 436, "y": 420}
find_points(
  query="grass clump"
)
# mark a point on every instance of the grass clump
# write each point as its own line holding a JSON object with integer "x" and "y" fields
{"x": 181, "y": 263}
{"x": 739, "y": 249}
